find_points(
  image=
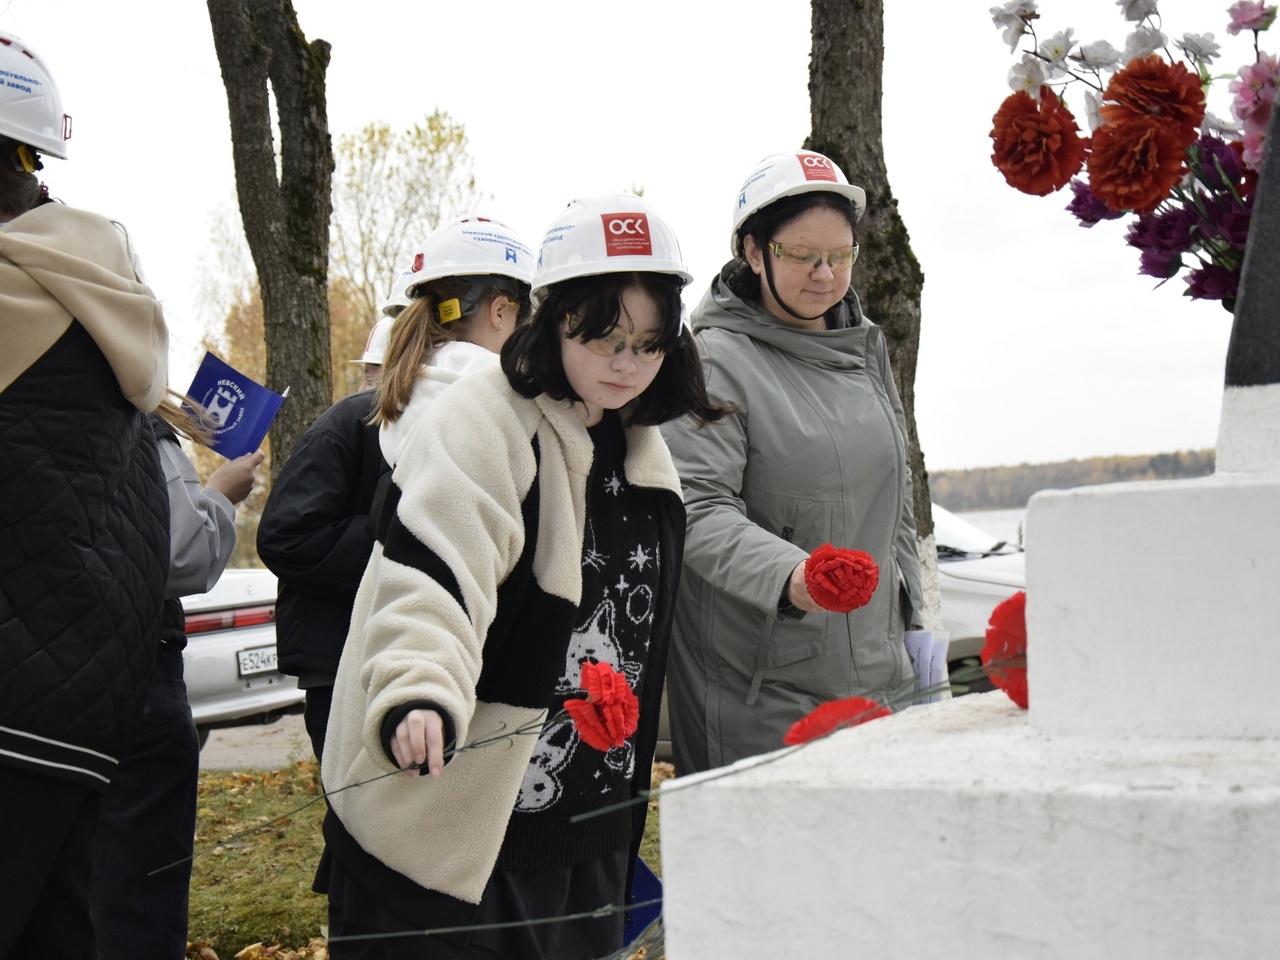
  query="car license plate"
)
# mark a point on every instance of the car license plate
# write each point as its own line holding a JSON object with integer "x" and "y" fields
{"x": 256, "y": 660}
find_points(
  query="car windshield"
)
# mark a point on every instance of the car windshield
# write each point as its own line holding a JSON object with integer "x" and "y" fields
{"x": 958, "y": 537}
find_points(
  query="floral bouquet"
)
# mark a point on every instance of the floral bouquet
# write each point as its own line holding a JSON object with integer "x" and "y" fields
{"x": 1152, "y": 152}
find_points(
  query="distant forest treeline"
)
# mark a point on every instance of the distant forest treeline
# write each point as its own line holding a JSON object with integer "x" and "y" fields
{"x": 995, "y": 488}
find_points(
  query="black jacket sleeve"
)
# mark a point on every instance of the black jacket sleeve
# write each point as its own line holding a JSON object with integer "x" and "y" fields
{"x": 315, "y": 531}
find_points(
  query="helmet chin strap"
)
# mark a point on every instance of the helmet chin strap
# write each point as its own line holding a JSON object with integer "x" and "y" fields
{"x": 768, "y": 273}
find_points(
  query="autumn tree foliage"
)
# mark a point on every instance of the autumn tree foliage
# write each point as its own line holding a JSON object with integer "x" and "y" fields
{"x": 380, "y": 176}
{"x": 391, "y": 189}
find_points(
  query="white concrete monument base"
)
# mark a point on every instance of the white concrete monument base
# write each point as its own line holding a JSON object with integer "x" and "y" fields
{"x": 1134, "y": 811}
{"x": 959, "y": 830}
{"x": 1153, "y": 609}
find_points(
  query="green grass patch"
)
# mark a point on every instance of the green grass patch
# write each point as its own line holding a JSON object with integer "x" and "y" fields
{"x": 257, "y": 889}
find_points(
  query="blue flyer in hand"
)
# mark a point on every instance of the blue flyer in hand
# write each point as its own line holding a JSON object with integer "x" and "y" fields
{"x": 241, "y": 409}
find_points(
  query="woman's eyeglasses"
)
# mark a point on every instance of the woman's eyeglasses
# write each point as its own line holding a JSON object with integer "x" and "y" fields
{"x": 644, "y": 347}
{"x": 841, "y": 259}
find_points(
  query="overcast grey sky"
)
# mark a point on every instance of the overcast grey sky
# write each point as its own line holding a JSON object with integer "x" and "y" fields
{"x": 1039, "y": 342}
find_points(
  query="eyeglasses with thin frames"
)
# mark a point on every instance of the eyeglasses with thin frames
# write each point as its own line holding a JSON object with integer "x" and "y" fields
{"x": 841, "y": 259}
{"x": 645, "y": 347}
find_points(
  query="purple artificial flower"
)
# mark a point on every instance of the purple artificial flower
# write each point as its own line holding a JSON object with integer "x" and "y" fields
{"x": 1162, "y": 264}
{"x": 1087, "y": 208}
{"x": 1166, "y": 232}
{"x": 1224, "y": 218}
{"x": 1214, "y": 153}
{"x": 1212, "y": 282}
{"x": 1233, "y": 227}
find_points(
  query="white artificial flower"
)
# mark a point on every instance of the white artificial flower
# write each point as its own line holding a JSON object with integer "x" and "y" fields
{"x": 1055, "y": 51}
{"x": 1100, "y": 55}
{"x": 1010, "y": 19}
{"x": 1027, "y": 76}
{"x": 1198, "y": 46}
{"x": 1212, "y": 123}
{"x": 1012, "y": 11}
{"x": 1143, "y": 42}
{"x": 1093, "y": 109}
{"x": 1136, "y": 11}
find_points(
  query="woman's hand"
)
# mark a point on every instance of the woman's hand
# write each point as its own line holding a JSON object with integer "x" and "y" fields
{"x": 798, "y": 593}
{"x": 234, "y": 479}
{"x": 419, "y": 740}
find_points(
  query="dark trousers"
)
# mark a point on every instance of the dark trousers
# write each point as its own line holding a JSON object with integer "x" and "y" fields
{"x": 46, "y": 839}
{"x": 148, "y": 821}
{"x": 510, "y": 896}
{"x": 315, "y": 715}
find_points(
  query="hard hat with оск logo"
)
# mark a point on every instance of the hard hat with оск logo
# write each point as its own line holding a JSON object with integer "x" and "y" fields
{"x": 30, "y": 107}
{"x": 611, "y": 233}
{"x": 468, "y": 247}
{"x": 785, "y": 175}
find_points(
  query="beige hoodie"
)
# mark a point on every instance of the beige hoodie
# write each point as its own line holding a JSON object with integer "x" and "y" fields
{"x": 59, "y": 264}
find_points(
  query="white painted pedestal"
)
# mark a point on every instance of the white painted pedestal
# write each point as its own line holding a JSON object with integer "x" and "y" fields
{"x": 1133, "y": 812}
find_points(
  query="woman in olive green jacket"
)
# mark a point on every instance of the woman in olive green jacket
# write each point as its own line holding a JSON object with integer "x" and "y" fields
{"x": 816, "y": 453}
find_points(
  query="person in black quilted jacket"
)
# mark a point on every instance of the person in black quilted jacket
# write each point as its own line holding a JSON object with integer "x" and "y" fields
{"x": 84, "y": 520}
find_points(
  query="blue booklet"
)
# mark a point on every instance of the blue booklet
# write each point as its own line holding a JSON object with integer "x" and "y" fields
{"x": 240, "y": 408}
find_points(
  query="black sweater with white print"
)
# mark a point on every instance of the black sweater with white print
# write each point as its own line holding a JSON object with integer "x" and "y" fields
{"x": 621, "y": 566}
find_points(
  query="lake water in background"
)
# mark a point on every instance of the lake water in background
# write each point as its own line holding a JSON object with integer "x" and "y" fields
{"x": 1002, "y": 524}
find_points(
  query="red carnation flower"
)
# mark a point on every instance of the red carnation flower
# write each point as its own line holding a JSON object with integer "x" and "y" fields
{"x": 1166, "y": 92}
{"x": 610, "y": 713}
{"x": 1005, "y": 653}
{"x": 1135, "y": 164}
{"x": 831, "y": 716}
{"x": 840, "y": 580}
{"x": 1036, "y": 144}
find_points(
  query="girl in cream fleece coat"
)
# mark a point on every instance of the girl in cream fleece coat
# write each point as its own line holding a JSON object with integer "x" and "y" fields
{"x": 534, "y": 523}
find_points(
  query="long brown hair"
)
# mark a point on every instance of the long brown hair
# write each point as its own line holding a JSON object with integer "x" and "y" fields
{"x": 187, "y": 417}
{"x": 419, "y": 332}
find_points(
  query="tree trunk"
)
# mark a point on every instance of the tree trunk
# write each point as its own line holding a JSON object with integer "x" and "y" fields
{"x": 845, "y": 93}
{"x": 285, "y": 214}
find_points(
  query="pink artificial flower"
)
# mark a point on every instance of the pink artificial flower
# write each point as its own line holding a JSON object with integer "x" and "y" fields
{"x": 1248, "y": 15}
{"x": 1254, "y": 92}
{"x": 1252, "y": 153}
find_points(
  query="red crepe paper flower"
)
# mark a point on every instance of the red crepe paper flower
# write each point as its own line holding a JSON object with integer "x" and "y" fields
{"x": 1166, "y": 92}
{"x": 831, "y": 716}
{"x": 610, "y": 713}
{"x": 1036, "y": 144}
{"x": 1005, "y": 653}
{"x": 1135, "y": 164}
{"x": 840, "y": 580}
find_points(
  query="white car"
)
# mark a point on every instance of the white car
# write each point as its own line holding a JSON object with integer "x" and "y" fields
{"x": 976, "y": 571}
{"x": 230, "y": 658}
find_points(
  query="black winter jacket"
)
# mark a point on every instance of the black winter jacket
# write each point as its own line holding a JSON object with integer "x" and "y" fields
{"x": 84, "y": 553}
{"x": 315, "y": 535}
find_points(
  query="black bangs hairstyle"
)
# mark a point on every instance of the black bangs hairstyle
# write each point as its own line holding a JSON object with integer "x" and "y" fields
{"x": 531, "y": 355}
{"x": 767, "y": 221}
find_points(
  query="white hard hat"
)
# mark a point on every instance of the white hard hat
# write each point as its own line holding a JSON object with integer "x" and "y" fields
{"x": 398, "y": 298}
{"x": 375, "y": 348}
{"x": 785, "y": 175}
{"x": 30, "y": 107}
{"x": 614, "y": 233}
{"x": 468, "y": 247}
